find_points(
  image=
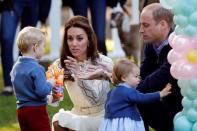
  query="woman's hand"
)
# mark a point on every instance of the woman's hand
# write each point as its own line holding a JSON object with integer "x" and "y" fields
{"x": 72, "y": 65}
{"x": 95, "y": 72}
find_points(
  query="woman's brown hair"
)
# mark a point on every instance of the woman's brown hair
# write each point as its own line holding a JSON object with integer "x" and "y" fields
{"x": 83, "y": 23}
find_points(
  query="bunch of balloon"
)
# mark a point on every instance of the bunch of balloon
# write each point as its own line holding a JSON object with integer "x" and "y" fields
{"x": 183, "y": 59}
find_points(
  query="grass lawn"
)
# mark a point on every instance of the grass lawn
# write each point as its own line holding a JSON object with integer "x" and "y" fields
{"x": 8, "y": 120}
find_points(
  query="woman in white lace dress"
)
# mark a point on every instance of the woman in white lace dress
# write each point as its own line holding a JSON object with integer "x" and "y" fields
{"x": 78, "y": 54}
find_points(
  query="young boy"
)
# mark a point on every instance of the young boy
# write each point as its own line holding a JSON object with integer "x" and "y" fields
{"x": 29, "y": 82}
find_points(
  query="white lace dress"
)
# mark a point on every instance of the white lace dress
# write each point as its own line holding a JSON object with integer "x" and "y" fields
{"x": 88, "y": 97}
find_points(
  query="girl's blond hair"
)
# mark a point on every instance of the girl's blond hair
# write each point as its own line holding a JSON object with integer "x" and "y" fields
{"x": 28, "y": 37}
{"x": 122, "y": 68}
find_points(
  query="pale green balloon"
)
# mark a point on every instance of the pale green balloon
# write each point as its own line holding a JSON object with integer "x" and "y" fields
{"x": 182, "y": 124}
{"x": 190, "y": 30}
{"x": 192, "y": 115}
{"x": 187, "y": 103}
{"x": 193, "y": 84}
{"x": 165, "y": 4}
{"x": 194, "y": 128}
{"x": 179, "y": 30}
{"x": 180, "y": 20}
{"x": 191, "y": 94}
{"x": 193, "y": 19}
{"x": 194, "y": 104}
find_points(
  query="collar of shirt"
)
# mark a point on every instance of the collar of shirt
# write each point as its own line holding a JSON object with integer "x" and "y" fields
{"x": 158, "y": 49}
{"x": 124, "y": 84}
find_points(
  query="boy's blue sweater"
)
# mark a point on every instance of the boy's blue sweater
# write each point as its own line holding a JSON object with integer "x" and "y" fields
{"x": 122, "y": 99}
{"x": 29, "y": 82}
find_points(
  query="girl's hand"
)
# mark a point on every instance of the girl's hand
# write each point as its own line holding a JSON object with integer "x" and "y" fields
{"x": 166, "y": 91}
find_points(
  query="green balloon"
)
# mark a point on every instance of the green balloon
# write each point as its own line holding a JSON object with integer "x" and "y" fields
{"x": 181, "y": 20}
{"x": 187, "y": 103}
{"x": 179, "y": 30}
{"x": 192, "y": 115}
{"x": 182, "y": 124}
{"x": 190, "y": 30}
{"x": 193, "y": 19}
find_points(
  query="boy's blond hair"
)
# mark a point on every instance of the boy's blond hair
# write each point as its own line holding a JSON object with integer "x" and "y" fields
{"x": 28, "y": 37}
{"x": 122, "y": 67}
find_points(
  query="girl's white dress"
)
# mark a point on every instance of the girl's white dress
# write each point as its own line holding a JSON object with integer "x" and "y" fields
{"x": 88, "y": 97}
{"x": 121, "y": 124}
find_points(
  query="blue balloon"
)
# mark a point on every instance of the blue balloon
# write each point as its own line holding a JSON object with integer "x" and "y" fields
{"x": 194, "y": 104}
{"x": 183, "y": 83}
{"x": 193, "y": 84}
{"x": 191, "y": 94}
{"x": 192, "y": 115}
{"x": 179, "y": 30}
{"x": 190, "y": 30}
{"x": 182, "y": 124}
{"x": 194, "y": 128}
{"x": 179, "y": 114}
{"x": 181, "y": 20}
{"x": 187, "y": 103}
{"x": 193, "y": 19}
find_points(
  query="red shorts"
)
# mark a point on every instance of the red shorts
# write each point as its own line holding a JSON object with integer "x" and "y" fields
{"x": 33, "y": 118}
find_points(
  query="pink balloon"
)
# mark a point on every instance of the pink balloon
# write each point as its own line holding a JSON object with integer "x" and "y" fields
{"x": 181, "y": 44}
{"x": 193, "y": 42}
{"x": 182, "y": 70}
{"x": 171, "y": 37}
{"x": 174, "y": 56}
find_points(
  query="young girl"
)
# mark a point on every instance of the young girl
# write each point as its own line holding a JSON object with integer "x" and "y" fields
{"x": 121, "y": 113}
{"x": 29, "y": 82}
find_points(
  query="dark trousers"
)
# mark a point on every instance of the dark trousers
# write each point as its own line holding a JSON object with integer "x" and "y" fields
{"x": 27, "y": 12}
{"x": 34, "y": 118}
{"x": 158, "y": 116}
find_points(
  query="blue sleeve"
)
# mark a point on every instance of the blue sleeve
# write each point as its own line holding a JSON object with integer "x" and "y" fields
{"x": 140, "y": 98}
{"x": 42, "y": 87}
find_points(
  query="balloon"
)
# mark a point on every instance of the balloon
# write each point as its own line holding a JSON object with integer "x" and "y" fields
{"x": 192, "y": 115}
{"x": 173, "y": 56}
{"x": 180, "y": 20}
{"x": 171, "y": 37}
{"x": 191, "y": 94}
{"x": 190, "y": 30}
{"x": 181, "y": 44}
{"x": 179, "y": 30}
{"x": 192, "y": 56}
{"x": 179, "y": 114}
{"x": 187, "y": 103}
{"x": 193, "y": 19}
{"x": 194, "y": 104}
{"x": 194, "y": 128}
{"x": 182, "y": 70}
{"x": 182, "y": 124}
{"x": 183, "y": 83}
{"x": 166, "y": 4}
{"x": 193, "y": 84}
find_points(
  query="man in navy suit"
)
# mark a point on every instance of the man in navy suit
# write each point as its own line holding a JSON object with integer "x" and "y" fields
{"x": 155, "y": 26}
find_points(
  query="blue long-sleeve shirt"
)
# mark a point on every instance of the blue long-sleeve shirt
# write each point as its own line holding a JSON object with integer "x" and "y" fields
{"x": 121, "y": 102}
{"x": 29, "y": 82}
